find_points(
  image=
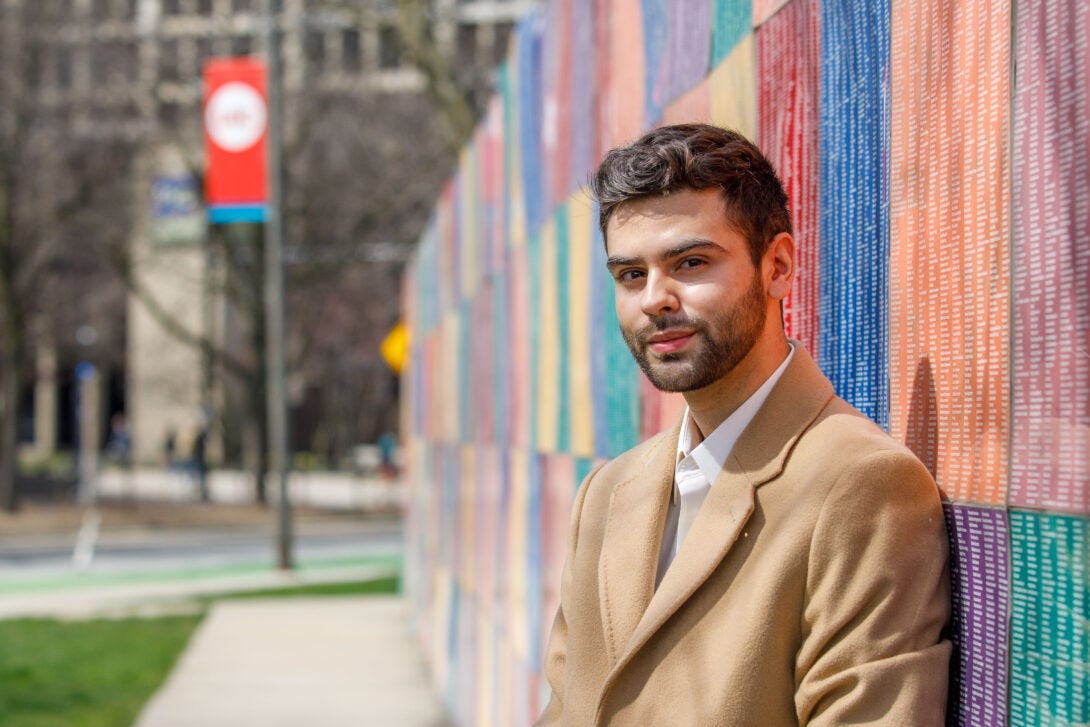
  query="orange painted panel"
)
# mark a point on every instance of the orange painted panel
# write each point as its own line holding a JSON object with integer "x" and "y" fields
{"x": 950, "y": 233}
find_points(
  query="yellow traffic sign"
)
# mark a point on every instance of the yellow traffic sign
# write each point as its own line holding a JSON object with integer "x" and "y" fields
{"x": 395, "y": 347}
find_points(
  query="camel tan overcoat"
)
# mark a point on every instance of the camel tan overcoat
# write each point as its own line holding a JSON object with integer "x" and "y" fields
{"x": 812, "y": 588}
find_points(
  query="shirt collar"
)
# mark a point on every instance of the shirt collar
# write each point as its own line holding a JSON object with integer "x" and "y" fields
{"x": 711, "y": 454}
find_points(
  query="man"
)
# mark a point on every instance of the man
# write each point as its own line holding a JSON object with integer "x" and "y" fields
{"x": 775, "y": 558}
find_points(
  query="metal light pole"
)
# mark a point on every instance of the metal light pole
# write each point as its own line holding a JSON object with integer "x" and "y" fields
{"x": 274, "y": 289}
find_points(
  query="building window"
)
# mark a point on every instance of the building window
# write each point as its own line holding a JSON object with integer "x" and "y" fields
{"x": 314, "y": 48}
{"x": 204, "y": 7}
{"x": 35, "y": 72}
{"x": 351, "y": 53}
{"x": 169, "y": 114}
{"x": 129, "y": 60}
{"x": 204, "y": 52}
{"x": 100, "y": 9}
{"x": 389, "y": 48}
{"x": 168, "y": 60}
{"x": 243, "y": 6}
{"x": 467, "y": 45}
{"x": 242, "y": 45}
{"x": 64, "y": 67}
{"x": 500, "y": 39}
{"x": 172, "y": 7}
{"x": 113, "y": 63}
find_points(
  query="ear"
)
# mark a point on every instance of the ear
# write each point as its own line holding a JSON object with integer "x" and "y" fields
{"x": 779, "y": 265}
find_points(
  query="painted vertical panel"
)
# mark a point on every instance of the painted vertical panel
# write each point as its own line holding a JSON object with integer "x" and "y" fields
{"x": 788, "y": 112}
{"x": 601, "y": 290}
{"x": 689, "y": 25}
{"x": 493, "y": 186}
{"x": 1050, "y": 620}
{"x": 468, "y": 201}
{"x": 734, "y": 89}
{"x": 450, "y": 377}
{"x": 515, "y": 205}
{"x": 621, "y": 410}
{"x": 531, "y": 119}
{"x": 582, "y": 69}
{"x": 521, "y": 331}
{"x": 732, "y": 20}
{"x": 556, "y": 91}
{"x": 979, "y": 566}
{"x": 580, "y": 223}
{"x": 1050, "y": 462}
{"x": 628, "y": 71}
{"x": 484, "y": 372}
{"x": 518, "y": 524}
{"x": 655, "y": 15}
{"x": 546, "y": 352}
{"x": 854, "y": 224}
{"x": 563, "y": 305}
{"x": 535, "y": 561}
{"x": 502, "y": 358}
{"x": 765, "y": 9}
{"x": 556, "y": 510}
{"x": 692, "y": 106}
{"x": 950, "y": 231}
{"x": 463, "y": 382}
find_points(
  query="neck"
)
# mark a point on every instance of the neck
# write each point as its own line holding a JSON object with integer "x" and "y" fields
{"x": 711, "y": 405}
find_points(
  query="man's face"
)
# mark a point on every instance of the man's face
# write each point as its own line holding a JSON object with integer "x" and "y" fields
{"x": 690, "y": 301}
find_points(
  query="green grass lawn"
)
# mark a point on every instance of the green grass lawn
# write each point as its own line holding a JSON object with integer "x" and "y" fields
{"x": 99, "y": 673}
{"x": 85, "y": 673}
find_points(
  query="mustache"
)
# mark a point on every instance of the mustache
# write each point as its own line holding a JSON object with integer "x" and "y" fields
{"x": 664, "y": 323}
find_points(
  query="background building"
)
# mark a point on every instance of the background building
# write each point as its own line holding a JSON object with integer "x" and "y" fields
{"x": 378, "y": 96}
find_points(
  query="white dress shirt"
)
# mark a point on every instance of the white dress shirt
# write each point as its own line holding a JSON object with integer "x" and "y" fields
{"x": 699, "y": 463}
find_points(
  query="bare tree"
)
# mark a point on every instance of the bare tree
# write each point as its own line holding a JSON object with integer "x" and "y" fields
{"x": 362, "y": 170}
{"x": 61, "y": 197}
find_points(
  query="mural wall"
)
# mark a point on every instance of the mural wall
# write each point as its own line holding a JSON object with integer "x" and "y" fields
{"x": 937, "y": 157}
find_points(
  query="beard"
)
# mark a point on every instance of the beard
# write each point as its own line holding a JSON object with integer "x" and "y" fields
{"x": 722, "y": 341}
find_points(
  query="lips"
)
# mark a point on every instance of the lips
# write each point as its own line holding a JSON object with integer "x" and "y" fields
{"x": 669, "y": 341}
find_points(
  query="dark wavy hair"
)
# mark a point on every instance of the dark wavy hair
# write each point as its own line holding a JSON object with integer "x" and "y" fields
{"x": 697, "y": 156}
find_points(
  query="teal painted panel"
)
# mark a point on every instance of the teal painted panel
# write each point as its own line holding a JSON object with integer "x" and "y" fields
{"x": 1050, "y": 619}
{"x": 731, "y": 21}
{"x": 563, "y": 303}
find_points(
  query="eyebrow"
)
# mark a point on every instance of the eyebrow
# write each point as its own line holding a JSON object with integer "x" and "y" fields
{"x": 696, "y": 243}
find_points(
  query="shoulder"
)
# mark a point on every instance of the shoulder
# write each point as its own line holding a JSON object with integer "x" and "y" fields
{"x": 857, "y": 456}
{"x": 655, "y": 450}
{"x": 649, "y": 460}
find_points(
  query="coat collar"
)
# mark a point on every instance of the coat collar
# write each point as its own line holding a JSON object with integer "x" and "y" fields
{"x": 632, "y": 610}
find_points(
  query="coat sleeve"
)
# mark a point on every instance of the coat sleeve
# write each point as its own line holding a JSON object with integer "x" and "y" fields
{"x": 556, "y": 652}
{"x": 878, "y": 599}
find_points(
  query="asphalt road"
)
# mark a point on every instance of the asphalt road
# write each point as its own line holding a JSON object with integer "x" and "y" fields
{"x": 97, "y": 551}
{"x": 144, "y": 550}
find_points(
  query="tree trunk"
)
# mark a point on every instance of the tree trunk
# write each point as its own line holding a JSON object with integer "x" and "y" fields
{"x": 9, "y": 412}
{"x": 259, "y": 385}
{"x": 10, "y": 334}
{"x": 259, "y": 418}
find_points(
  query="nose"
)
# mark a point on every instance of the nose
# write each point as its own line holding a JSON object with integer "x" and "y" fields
{"x": 659, "y": 296}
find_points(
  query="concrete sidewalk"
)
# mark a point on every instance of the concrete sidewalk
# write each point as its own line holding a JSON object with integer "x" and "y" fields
{"x": 295, "y": 662}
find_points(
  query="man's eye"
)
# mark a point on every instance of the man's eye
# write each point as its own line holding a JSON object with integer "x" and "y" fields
{"x": 691, "y": 262}
{"x": 627, "y": 276}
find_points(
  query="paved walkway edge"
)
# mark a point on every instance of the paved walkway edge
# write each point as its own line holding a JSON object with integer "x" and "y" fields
{"x": 336, "y": 661}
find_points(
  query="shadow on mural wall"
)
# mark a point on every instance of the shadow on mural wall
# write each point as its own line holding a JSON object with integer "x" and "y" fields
{"x": 922, "y": 435}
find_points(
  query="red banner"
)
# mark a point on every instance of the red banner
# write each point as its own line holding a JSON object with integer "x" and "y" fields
{"x": 235, "y": 128}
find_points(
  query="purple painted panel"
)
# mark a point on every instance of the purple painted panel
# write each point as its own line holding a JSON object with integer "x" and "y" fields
{"x": 981, "y": 600}
{"x": 689, "y": 46}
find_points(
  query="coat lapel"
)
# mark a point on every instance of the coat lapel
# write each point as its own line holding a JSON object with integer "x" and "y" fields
{"x": 759, "y": 456}
{"x": 632, "y": 539}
